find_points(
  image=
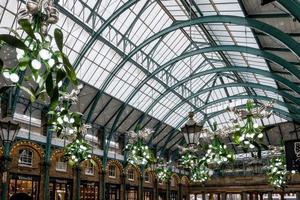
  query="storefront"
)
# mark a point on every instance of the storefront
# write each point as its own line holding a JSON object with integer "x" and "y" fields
{"x": 60, "y": 189}
{"x": 173, "y": 195}
{"x": 162, "y": 194}
{"x": 112, "y": 192}
{"x": 148, "y": 194}
{"x": 20, "y": 183}
{"x": 132, "y": 193}
{"x": 89, "y": 190}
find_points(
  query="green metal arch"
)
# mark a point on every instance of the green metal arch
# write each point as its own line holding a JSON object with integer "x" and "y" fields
{"x": 272, "y": 31}
{"x": 293, "y": 6}
{"x": 276, "y": 110}
{"x": 293, "y": 116}
{"x": 94, "y": 37}
{"x": 268, "y": 74}
{"x": 248, "y": 50}
{"x": 276, "y": 59}
{"x": 251, "y": 85}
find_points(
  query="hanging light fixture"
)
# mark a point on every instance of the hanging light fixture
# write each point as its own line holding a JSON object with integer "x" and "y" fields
{"x": 191, "y": 130}
{"x": 8, "y": 131}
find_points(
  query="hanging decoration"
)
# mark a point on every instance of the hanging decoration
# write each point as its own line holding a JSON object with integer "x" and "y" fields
{"x": 189, "y": 159}
{"x": 277, "y": 173}
{"x": 201, "y": 174}
{"x": 250, "y": 135}
{"x": 41, "y": 60}
{"x": 217, "y": 152}
{"x": 163, "y": 171}
{"x": 139, "y": 153}
{"x": 77, "y": 151}
{"x": 63, "y": 119}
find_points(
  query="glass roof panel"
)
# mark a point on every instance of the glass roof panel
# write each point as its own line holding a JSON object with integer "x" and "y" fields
{"x": 80, "y": 19}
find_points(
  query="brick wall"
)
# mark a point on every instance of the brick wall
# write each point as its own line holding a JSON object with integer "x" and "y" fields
{"x": 38, "y": 165}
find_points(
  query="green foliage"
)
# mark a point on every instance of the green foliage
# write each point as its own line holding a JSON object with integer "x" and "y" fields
{"x": 163, "y": 173}
{"x": 250, "y": 135}
{"x": 277, "y": 173}
{"x": 189, "y": 159}
{"x": 217, "y": 152}
{"x": 140, "y": 154}
{"x": 77, "y": 151}
{"x": 13, "y": 41}
{"x": 200, "y": 174}
{"x": 36, "y": 54}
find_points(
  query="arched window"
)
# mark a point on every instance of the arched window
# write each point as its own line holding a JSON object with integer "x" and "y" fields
{"x": 25, "y": 158}
{"x": 90, "y": 168}
{"x": 112, "y": 171}
{"x": 130, "y": 174}
{"x": 173, "y": 181}
{"x": 147, "y": 177}
{"x": 61, "y": 165}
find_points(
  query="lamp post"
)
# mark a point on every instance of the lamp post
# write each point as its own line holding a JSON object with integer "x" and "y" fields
{"x": 191, "y": 130}
{"x": 8, "y": 131}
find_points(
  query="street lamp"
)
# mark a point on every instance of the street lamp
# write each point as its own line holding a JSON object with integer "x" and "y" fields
{"x": 191, "y": 130}
{"x": 8, "y": 131}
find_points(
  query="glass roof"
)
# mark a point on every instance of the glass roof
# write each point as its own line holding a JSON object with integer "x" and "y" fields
{"x": 80, "y": 20}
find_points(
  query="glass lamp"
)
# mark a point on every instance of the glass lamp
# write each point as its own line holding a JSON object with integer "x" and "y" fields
{"x": 8, "y": 130}
{"x": 191, "y": 130}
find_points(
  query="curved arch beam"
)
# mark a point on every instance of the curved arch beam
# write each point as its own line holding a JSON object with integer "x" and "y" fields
{"x": 251, "y": 85}
{"x": 94, "y": 37}
{"x": 293, "y": 69}
{"x": 276, "y": 110}
{"x": 294, "y": 116}
{"x": 269, "y": 56}
{"x": 268, "y": 74}
{"x": 267, "y": 29}
{"x": 276, "y": 59}
{"x": 293, "y": 6}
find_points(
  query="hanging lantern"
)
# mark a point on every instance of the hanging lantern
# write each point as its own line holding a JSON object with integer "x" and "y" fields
{"x": 191, "y": 130}
{"x": 8, "y": 130}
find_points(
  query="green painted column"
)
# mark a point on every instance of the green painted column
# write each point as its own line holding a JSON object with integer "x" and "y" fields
{"x": 141, "y": 185}
{"x": 5, "y": 173}
{"x": 104, "y": 162}
{"x": 269, "y": 195}
{"x": 223, "y": 196}
{"x": 180, "y": 191}
{"x": 102, "y": 183}
{"x": 155, "y": 189}
{"x": 47, "y": 163}
{"x": 168, "y": 189}
{"x": 77, "y": 190}
{"x": 123, "y": 178}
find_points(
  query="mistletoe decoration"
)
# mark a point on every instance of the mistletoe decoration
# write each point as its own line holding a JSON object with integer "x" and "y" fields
{"x": 41, "y": 60}
{"x": 64, "y": 120}
{"x": 77, "y": 151}
{"x": 138, "y": 153}
{"x": 250, "y": 135}
{"x": 277, "y": 173}
{"x": 201, "y": 174}
{"x": 217, "y": 152}
{"x": 189, "y": 159}
{"x": 163, "y": 171}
